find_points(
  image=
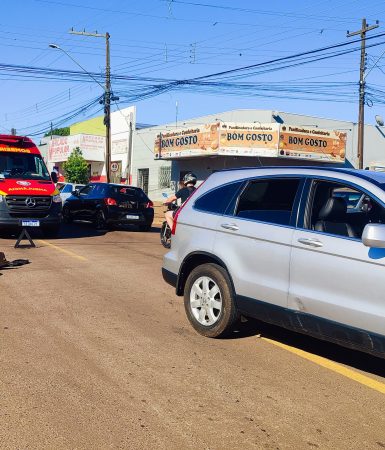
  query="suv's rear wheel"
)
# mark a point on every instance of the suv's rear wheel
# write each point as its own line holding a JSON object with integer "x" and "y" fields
{"x": 209, "y": 300}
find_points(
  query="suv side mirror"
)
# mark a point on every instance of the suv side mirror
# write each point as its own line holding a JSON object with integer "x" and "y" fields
{"x": 76, "y": 192}
{"x": 374, "y": 235}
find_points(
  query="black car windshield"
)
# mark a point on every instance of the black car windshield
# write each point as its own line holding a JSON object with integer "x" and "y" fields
{"x": 22, "y": 166}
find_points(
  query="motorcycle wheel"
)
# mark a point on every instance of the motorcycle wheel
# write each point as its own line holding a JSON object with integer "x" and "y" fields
{"x": 165, "y": 235}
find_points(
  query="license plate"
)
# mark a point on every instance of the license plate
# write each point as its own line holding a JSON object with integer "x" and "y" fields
{"x": 132, "y": 216}
{"x": 30, "y": 223}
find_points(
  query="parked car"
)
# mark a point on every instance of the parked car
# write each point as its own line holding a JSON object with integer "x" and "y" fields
{"x": 279, "y": 245}
{"x": 110, "y": 204}
{"x": 65, "y": 189}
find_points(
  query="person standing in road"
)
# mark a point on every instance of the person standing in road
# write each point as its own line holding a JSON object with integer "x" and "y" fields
{"x": 55, "y": 174}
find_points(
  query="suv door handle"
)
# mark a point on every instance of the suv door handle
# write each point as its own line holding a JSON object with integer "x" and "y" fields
{"x": 229, "y": 226}
{"x": 311, "y": 242}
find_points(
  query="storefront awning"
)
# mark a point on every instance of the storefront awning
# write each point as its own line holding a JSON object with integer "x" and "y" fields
{"x": 252, "y": 139}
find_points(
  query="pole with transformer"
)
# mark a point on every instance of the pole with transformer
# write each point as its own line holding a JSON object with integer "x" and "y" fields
{"x": 361, "y": 111}
{"x": 107, "y": 98}
{"x": 129, "y": 154}
{"x": 107, "y": 109}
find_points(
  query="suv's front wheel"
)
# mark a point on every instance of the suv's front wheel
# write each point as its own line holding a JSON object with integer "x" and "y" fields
{"x": 209, "y": 300}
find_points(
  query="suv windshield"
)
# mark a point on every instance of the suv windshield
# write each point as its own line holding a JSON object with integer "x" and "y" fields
{"x": 15, "y": 165}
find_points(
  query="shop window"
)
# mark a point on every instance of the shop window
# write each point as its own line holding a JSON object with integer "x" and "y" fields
{"x": 143, "y": 175}
{"x": 165, "y": 177}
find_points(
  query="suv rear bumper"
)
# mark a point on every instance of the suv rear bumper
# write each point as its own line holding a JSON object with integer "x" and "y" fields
{"x": 169, "y": 277}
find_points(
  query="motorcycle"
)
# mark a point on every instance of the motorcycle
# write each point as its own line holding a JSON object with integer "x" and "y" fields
{"x": 165, "y": 231}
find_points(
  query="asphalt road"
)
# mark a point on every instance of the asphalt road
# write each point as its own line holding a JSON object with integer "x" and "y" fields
{"x": 96, "y": 353}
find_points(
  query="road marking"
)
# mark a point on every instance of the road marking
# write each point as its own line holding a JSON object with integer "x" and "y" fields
{"x": 331, "y": 365}
{"x": 63, "y": 250}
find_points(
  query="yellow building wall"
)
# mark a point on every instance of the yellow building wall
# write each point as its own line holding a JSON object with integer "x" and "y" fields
{"x": 93, "y": 126}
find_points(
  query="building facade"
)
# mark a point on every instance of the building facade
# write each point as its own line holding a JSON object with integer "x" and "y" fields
{"x": 231, "y": 139}
{"x": 284, "y": 129}
{"x": 89, "y": 136}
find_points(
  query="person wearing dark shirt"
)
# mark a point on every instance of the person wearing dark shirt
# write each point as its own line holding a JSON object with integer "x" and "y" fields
{"x": 189, "y": 181}
{"x": 184, "y": 193}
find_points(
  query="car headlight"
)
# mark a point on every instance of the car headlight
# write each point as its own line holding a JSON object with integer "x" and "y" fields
{"x": 56, "y": 199}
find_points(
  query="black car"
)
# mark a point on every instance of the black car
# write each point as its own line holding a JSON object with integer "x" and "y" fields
{"x": 107, "y": 204}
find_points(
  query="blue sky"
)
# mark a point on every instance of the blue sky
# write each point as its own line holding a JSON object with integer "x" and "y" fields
{"x": 182, "y": 39}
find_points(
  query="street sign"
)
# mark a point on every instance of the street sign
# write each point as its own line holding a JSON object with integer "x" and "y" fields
{"x": 114, "y": 167}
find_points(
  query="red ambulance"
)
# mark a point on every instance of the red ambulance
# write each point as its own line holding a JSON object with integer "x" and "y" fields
{"x": 28, "y": 197}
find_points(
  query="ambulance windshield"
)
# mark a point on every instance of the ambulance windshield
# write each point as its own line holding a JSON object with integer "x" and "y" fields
{"x": 22, "y": 166}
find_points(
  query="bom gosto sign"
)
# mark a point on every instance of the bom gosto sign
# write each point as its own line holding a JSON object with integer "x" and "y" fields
{"x": 312, "y": 143}
{"x": 252, "y": 139}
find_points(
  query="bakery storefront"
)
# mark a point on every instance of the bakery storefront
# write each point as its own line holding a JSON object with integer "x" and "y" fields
{"x": 220, "y": 145}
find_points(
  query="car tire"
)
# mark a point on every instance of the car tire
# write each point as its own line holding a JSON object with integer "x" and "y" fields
{"x": 100, "y": 220}
{"x": 209, "y": 301}
{"x": 67, "y": 218}
{"x": 165, "y": 235}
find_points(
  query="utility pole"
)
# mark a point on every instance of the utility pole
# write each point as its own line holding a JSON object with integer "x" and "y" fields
{"x": 361, "y": 111}
{"x": 129, "y": 154}
{"x": 107, "y": 97}
{"x": 107, "y": 109}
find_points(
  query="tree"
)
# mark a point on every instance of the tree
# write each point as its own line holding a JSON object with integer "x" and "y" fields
{"x": 76, "y": 168}
{"x": 59, "y": 132}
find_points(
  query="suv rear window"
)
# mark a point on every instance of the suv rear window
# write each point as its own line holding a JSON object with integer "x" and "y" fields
{"x": 217, "y": 200}
{"x": 268, "y": 200}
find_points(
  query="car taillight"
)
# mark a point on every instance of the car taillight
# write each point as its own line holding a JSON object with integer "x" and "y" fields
{"x": 110, "y": 201}
{"x": 149, "y": 204}
{"x": 176, "y": 218}
{"x": 180, "y": 209}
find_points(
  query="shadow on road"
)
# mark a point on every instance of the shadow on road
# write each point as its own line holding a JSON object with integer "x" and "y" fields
{"x": 78, "y": 230}
{"x": 355, "y": 359}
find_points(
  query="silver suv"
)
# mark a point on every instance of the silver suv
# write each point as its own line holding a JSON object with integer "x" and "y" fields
{"x": 286, "y": 246}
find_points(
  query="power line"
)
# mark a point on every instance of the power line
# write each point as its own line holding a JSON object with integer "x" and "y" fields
{"x": 261, "y": 12}
{"x": 145, "y": 87}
